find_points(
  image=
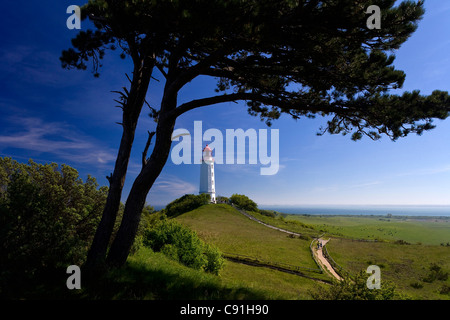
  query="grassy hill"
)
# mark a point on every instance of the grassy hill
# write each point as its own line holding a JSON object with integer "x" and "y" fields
{"x": 151, "y": 275}
{"x": 235, "y": 234}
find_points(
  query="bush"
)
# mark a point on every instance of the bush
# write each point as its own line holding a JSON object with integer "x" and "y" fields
{"x": 222, "y": 199}
{"x": 147, "y": 217}
{"x": 268, "y": 213}
{"x": 243, "y": 202}
{"x": 170, "y": 250}
{"x": 416, "y": 285}
{"x": 48, "y": 217}
{"x": 445, "y": 289}
{"x": 182, "y": 244}
{"x": 214, "y": 260}
{"x": 186, "y": 203}
{"x": 356, "y": 289}
{"x": 435, "y": 273}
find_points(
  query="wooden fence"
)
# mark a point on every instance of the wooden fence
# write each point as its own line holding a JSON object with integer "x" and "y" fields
{"x": 339, "y": 270}
{"x": 277, "y": 265}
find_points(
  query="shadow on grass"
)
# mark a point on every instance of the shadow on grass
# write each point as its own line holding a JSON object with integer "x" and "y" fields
{"x": 153, "y": 276}
{"x": 137, "y": 282}
{"x": 147, "y": 276}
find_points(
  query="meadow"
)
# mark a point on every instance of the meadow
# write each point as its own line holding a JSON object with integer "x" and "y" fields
{"x": 233, "y": 233}
{"x": 406, "y": 247}
{"x": 424, "y": 230}
{"x": 419, "y": 271}
{"x": 406, "y": 250}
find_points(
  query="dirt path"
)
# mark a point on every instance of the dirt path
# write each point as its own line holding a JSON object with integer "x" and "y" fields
{"x": 318, "y": 252}
{"x": 324, "y": 261}
{"x": 265, "y": 224}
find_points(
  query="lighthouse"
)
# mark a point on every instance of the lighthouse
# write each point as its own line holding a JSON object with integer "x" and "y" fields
{"x": 207, "y": 180}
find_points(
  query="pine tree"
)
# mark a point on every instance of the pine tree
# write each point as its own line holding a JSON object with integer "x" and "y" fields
{"x": 303, "y": 58}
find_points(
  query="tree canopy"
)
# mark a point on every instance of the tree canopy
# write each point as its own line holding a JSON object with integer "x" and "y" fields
{"x": 304, "y": 58}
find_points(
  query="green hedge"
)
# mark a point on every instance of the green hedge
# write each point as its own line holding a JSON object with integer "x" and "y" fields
{"x": 186, "y": 203}
{"x": 244, "y": 202}
{"x": 182, "y": 244}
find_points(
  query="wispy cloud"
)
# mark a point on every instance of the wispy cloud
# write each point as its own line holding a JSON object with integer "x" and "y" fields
{"x": 55, "y": 138}
{"x": 35, "y": 66}
{"x": 426, "y": 171}
{"x": 173, "y": 186}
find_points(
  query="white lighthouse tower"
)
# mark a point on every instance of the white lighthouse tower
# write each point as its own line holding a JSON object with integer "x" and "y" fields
{"x": 207, "y": 180}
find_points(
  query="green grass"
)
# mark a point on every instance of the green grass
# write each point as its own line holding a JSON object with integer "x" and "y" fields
{"x": 402, "y": 264}
{"x": 432, "y": 231}
{"x": 276, "y": 284}
{"x": 297, "y": 226}
{"x": 150, "y": 275}
{"x": 232, "y": 232}
{"x": 153, "y": 276}
{"x": 405, "y": 265}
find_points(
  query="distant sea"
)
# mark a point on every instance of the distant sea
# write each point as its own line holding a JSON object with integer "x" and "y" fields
{"x": 378, "y": 210}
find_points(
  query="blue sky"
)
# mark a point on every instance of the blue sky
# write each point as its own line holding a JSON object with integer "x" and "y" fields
{"x": 54, "y": 115}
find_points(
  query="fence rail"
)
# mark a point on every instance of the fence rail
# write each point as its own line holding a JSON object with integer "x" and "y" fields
{"x": 285, "y": 266}
{"x": 340, "y": 270}
{"x": 292, "y": 233}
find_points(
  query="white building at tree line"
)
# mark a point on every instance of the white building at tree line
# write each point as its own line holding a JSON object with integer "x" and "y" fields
{"x": 207, "y": 179}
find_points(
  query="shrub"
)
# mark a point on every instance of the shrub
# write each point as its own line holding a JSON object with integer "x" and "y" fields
{"x": 304, "y": 237}
{"x": 356, "y": 289}
{"x": 244, "y": 202}
{"x": 403, "y": 242}
{"x": 170, "y": 250}
{"x": 435, "y": 273}
{"x": 222, "y": 199}
{"x": 214, "y": 260}
{"x": 147, "y": 217}
{"x": 298, "y": 223}
{"x": 445, "y": 289}
{"x": 416, "y": 285}
{"x": 268, "y": 213}
{"x": 186, "y": 203}
{"x": 48, "y": 217}
{"x": 182, "y": 244}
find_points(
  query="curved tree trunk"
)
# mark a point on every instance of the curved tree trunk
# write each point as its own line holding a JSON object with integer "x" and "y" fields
{"x": 132, "y": 106}
{"x": 99, "y": 246}
{"x": 124, "y": 239}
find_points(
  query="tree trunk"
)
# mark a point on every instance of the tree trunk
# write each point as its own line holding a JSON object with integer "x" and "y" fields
{"x": 99, "y": 246}
{"x": 131, "y": 110}
{"x": 124, "y": 239}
